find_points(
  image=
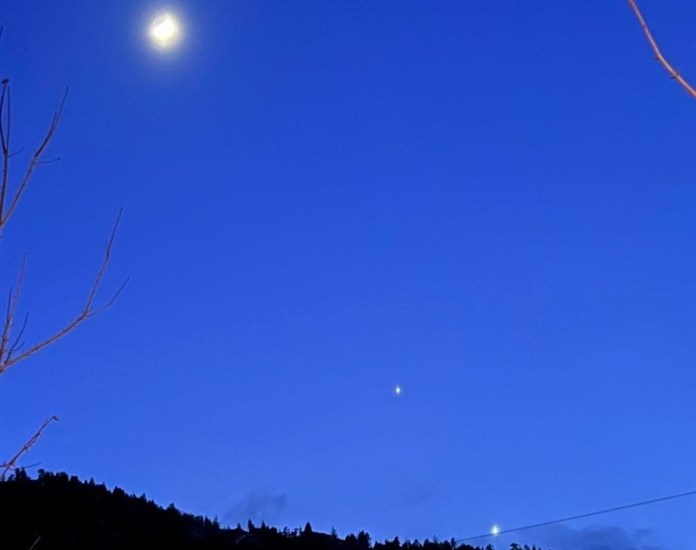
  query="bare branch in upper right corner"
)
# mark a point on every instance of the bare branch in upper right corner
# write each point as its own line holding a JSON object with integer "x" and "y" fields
{"x": 658, "y": 54}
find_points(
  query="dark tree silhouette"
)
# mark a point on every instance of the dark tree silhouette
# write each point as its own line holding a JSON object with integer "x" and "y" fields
{"x": 62, "y": 512}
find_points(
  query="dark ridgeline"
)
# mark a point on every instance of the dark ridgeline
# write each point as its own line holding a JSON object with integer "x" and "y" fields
{"x": 64, "y": 513}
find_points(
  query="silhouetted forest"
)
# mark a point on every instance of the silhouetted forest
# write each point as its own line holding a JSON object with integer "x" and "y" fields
{"x": 57, "y": 511}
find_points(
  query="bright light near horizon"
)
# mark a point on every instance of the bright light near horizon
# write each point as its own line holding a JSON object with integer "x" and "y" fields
{"x": 164, "y": 30}
{"x": 495, "y": 530}
{"x": 397, "y": 390}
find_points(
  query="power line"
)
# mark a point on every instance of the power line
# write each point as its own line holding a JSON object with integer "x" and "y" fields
{"x": 580, "y": 516}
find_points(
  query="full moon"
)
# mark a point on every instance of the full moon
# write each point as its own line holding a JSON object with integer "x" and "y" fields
{"x": 495, "y": 530}
{"x": 397, "y": 390}
{"x": 164, "y": 31}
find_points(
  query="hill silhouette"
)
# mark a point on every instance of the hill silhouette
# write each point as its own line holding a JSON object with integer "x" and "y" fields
{"x": 55, "y": 511}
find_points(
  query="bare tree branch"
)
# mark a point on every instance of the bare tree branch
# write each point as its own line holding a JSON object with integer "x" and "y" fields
{"x": 12, "y": 463}
{"x": 7, "y": 354}
{"x": 658, "y": 54}
{"x": 11, "y": 353}
{"x": 5, "y": 128}
{"x": 9, "y": 205}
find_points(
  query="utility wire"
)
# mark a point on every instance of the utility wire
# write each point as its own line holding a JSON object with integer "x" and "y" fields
{"x": 580, "y": 516}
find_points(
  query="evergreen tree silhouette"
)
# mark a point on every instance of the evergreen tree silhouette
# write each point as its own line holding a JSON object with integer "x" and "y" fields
{"x": 63, "y": 512}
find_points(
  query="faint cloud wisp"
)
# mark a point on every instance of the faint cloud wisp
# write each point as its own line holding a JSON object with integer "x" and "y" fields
{"x": 257, "y": 507}
{"x": 562, "y": 537}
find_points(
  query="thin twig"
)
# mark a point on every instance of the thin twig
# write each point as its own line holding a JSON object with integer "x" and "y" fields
{"x": 35, "y": 542}
{"x": 18, "y": 343}
{"x": 11, "y": 464}
{"x": 49, "y": 161}
{"x": 12, "y": 303}
{"x": 17, "y": 152}
{"x": 658, "y": 54}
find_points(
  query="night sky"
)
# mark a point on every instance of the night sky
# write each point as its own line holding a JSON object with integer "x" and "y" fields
{"x": 490, "y": 204}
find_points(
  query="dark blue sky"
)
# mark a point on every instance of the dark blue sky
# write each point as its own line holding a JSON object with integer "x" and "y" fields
{"x": 491, "y": 204}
